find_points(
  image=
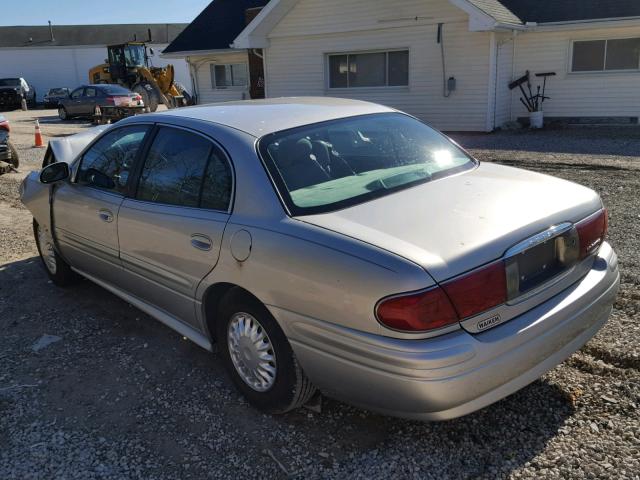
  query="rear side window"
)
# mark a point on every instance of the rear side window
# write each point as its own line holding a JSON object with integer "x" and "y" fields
{"x": 185, "y": 169}
{"x": 109, "y": 161}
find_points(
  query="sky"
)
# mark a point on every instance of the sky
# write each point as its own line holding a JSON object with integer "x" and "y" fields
{"x": 79, "y": 12}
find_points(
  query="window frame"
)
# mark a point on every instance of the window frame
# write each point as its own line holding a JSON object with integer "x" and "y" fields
{"x": 140, "y": 161}
{"x": 386, "y": 51}
{"x": 77, "y": 164}
{"x": 604, "y": 70}
{"x": 214, "y": 84}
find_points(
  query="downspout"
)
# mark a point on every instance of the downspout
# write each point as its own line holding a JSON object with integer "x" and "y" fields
{"x": 194, "y": 80}
{"x": 513, "y": 72}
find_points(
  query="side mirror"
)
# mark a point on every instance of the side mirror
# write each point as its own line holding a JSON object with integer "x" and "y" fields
{"x": 54, "y": 173}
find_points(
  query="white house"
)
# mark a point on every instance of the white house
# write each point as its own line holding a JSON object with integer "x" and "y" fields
{"x": 219, "y": 72}
{"x": 61, "y": 55}
{"x": 448, "y": 62}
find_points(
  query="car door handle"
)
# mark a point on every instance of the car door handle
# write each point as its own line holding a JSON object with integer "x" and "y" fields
{"x": 201, "y": 242}
{"x": 106, "y": 216}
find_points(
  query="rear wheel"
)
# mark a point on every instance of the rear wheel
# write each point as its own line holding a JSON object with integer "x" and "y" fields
{"x": 58, "y": 270}
{"x": 15, "y": 160}
{"x": 259, "y": 358}
{"x": 149, "y": 95}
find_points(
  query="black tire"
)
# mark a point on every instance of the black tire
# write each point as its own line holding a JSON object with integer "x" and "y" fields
{"x": 61, "y": 275}
{"x": 63, "y": 114}
{"x": 15, "y": 159}
{"x": 149, "y": 95}
{"x": 291, "y": 388}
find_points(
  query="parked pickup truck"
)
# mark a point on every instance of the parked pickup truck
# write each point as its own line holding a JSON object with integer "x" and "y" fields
{"x": 13, "y": 90}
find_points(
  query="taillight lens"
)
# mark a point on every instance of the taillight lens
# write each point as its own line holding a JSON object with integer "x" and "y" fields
{"x": 592, "y": 232}
{"x": 4, "y": 125}
{"x": 479, "y": 290}
{"x": 417, "y": 312}
{"x": 111, "y": 100}
{"x": 439, "y": 307}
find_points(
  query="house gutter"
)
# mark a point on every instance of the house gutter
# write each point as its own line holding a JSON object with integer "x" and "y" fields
{"x": 194, "y": 53}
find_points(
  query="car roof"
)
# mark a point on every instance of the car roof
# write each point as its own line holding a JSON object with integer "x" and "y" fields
{"x": 261, "y": 117}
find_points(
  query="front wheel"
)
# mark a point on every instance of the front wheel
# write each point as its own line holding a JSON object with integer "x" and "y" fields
{"x": 149, "y": 95}
{"x": 58, "y": 270}
{"x": 259, "y": 358}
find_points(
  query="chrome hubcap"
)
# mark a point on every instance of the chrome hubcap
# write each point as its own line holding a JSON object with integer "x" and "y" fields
{"x": 46, "y": 250}
{"x": 251, "y": 352}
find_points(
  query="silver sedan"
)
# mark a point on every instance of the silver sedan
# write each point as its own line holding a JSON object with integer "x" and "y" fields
{"x": 331, "y": 245}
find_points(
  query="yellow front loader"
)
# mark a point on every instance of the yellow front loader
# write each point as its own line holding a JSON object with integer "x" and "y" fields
{"x": 128, "y": 65}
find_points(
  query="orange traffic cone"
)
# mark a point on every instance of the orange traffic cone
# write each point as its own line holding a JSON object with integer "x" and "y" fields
{"x": 39, "y": 142}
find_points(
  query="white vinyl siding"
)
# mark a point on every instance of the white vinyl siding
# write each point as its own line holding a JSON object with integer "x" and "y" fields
{"x": 299, "y": 45}
{"x": 203, "y": 68}
{"x": 585, "y": 94}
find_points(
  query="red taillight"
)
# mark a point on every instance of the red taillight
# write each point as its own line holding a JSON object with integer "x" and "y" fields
{"x": 417, "y": 312}
{"x": 4, "y": 125}
{"x": 479, "y": 290}
{"x": 592, "y": 232}
{"x": 111, "y": 100}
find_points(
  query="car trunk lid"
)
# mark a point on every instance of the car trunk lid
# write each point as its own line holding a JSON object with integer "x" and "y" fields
{"x": 456, "y": 224}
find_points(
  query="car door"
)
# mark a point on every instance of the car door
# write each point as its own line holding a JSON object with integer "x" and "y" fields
{"x": 85, "y": 210}
{"x": 88, "y": 104}
{"x": 171, "y": 231}
{"x": 73, "y": 106}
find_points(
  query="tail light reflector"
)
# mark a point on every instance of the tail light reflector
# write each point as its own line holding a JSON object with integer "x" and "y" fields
{"x": 479, "y": 290}
{"x": 4, "y": 125}
{"x": 111, "y": 100}
{"x": 417, "y": 312}
{"x": 592, "y": 232}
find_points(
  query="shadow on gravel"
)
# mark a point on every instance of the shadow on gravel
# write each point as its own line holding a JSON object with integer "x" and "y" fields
{"x": 620, "y": 141}
{"x": 121, "y": 376}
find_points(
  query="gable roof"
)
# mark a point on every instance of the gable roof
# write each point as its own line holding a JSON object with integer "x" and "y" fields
{"x": 497, "y": 10}
{"x": 216, "y": 27}
{"x": 87, "y": 35}
{"x": 551, "y": 11}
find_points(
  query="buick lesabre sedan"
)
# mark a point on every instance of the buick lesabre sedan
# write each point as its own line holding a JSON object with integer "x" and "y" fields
{"x": 331, "y": 244}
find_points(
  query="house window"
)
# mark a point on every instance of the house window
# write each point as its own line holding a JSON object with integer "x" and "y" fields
{"x": 229, "y": 75}
{"x": 606, "y": 55}
{"x": 371, "y": 69}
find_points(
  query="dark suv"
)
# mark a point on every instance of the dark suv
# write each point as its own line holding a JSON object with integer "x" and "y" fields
{"x": 13, "y": 90}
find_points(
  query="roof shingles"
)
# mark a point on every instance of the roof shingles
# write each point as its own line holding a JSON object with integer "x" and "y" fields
{"x": 216, "y": 27}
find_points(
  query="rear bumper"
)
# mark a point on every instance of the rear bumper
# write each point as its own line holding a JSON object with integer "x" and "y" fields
{"x": 457, "y": 373}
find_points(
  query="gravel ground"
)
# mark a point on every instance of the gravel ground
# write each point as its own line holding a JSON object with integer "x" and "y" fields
{"x": 117, "y": 395}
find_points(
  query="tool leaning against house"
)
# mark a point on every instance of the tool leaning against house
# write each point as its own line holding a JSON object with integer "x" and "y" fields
{"x": 533, "y": 102}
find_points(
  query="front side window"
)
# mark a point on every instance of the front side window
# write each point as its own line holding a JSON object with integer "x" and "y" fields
{"x": 376, "y": 69}
{"x": 108, "y": 163}
{"x": 77, "y": 93}
{"x": 606, "y": 55}
{"x": 324, "y": 167}
{"x": 185, "y": 169}
{"x": 232, "y": 75}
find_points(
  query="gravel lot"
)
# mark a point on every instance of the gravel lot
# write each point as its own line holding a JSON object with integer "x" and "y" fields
{"x": 118, "y": 395}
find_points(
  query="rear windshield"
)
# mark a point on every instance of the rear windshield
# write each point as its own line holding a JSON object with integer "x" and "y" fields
{"x": 9, "y": 82}
{"x": 115, "y": 90}
{"x": 332, "y": 165}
